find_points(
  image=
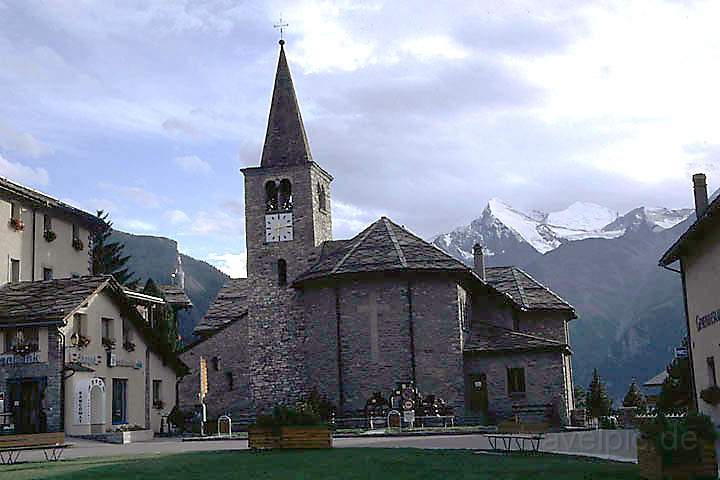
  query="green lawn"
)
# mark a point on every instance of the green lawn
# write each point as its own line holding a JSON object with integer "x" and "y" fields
{"x": 345, "y": 463}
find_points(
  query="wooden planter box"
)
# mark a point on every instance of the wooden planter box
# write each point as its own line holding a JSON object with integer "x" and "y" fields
{"x": 289, "y": 437}
{"x": 651, "y": 465}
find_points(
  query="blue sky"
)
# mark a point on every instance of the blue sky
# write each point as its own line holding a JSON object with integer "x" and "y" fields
{"x": 422, "y": 113}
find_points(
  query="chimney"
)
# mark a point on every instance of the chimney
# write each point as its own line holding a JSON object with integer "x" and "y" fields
{"x": 479, "y": 260}
{"x": 701, "y": 195}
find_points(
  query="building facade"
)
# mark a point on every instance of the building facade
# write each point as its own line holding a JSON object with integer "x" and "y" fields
{"x": 697, "y": 253}
{"x": 77, "y": 356}
{"x": 349, "y": 318}
{"x": 40, "y": 237}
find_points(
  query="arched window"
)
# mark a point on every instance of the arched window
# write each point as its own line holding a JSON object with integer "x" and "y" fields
{"x": 321, "y": 197}
{"x": 282, "y": 272}
{"x": 285, "y": 195}
{"x": 271, "y": 196}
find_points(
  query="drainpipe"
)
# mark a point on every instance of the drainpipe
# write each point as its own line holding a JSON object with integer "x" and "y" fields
{"x": 61, "y": 336}
{"x": 693, "y": 391}
{"x": 341, "y": 390}
{"x": 411, "y": 325}
{"x": 34, "y": 228}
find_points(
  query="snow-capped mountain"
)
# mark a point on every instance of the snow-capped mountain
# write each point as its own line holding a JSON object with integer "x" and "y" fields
{"x": 508, "y": 232}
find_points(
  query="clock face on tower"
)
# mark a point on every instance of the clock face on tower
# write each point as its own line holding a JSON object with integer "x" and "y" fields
{"x": 278, "y": 227}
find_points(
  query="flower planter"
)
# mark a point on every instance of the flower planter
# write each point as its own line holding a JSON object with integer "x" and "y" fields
{"x": 289, "y": 437}
{"x": 651, "y": 463}
{"x": 49, "y": 236}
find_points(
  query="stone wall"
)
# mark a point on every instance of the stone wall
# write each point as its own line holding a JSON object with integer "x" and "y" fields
{"x": 368, "y": 365}
{"x": 551, "y": 325}
{"x": 229, "y": 346}
{"x": 544, "y": 381}
{"x": 50, "y": 372}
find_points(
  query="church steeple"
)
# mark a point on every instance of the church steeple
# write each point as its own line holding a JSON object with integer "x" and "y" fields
{"x": 285, "y": 141}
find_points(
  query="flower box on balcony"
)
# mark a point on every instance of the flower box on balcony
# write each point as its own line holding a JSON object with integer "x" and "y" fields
{"x": 17, "y": 224}
{"x": 78, "y": 244}
{"x": 711, "y": 395}
{"x": 129, "y": 346}
{"x": 108, "y": 343}
{"x": 23, "y": 349}
{"x": 49, "y": 236}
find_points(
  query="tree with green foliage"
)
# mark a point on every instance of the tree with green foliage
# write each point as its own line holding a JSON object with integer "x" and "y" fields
{"x": 107, "y": 256}
{"x": 676, "y": 391}
{"x": 634, "y": 398}
{"x": 597, "y": 400}
{"x": 165, "y": 317}
{"x": 579, "y": 395}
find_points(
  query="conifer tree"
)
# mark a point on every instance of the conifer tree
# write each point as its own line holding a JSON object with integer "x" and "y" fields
{"x": 597, "y": 400}
{"x": 107, "y": 256}
{"x": 675, "y": 394}
{"x": 165, "y": 316}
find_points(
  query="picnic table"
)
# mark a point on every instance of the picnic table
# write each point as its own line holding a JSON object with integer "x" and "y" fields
{"x": 517, "y": 434}
{"x": 52, "y": 444}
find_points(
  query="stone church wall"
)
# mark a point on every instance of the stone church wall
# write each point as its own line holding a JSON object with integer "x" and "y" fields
{"x": 320, "y": 346}
{"x": 438, "y": 352}
{"x": 229, "y": 346}
{"x": 544, "y": 381}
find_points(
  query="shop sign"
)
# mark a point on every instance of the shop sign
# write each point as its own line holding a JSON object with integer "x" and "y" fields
{"x": 123, "y": 362}
{"x": 707, "y": 320}
{"x": 76, "y": 357}
{"x": 11, "y": 360}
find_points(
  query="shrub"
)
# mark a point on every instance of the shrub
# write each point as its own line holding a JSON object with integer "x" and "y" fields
{"x": 678, "y": 441}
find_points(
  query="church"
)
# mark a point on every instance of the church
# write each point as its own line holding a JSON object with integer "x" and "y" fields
{"x": 348, "y": 318}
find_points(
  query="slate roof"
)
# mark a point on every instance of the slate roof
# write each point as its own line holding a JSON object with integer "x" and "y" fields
{"x": 383, "y": 246}
{"x": 657, "y": 380}
{"x": 174, "y": 295}
{"x": 488, "y": 338}
{"x": 47, "y": 301}
{"x": 696, "y": 231}
{"x": 43, "y": 200}
{"x": 229, "y": 306}
{"x": 285, "y": 140}
{"x": 524, "y": 289}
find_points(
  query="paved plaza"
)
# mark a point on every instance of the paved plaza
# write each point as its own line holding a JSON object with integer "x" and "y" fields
{"x": 618, "y": 445}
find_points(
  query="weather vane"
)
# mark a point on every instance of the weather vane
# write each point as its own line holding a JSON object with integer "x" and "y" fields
{"x": 281, "y": 26}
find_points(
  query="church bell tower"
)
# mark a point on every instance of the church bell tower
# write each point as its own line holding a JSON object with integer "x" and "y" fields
{"x": 287, "y": 218}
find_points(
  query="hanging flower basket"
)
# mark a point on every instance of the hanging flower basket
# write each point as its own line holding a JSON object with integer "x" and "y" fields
{"x": 23, "y": 349}
{"x": 17, "y": 224}
{"x": 78, "y": 244}
{"x": 49, "y": 236}
{"x": 711, "y": 395}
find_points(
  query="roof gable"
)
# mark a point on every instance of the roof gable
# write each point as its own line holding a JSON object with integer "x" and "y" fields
{"x": 229, "y": 306}
{"x": 524, "y": 289}
{"x": 383, "y": 246}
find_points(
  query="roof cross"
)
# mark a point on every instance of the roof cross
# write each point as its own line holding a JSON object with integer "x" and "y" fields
{"x": 281, "y": 26}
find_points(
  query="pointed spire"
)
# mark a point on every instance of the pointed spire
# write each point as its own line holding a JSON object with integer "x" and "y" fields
{"x": 285, "y": 140}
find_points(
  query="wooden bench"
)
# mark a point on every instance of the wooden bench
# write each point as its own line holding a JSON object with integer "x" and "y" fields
{"x": 514, "y": 433}
{"x": 52, "y": 445}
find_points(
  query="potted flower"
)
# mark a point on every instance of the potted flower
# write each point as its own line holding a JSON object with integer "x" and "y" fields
{"x": 49, "y": 236}
{"x": 129, "y": 346}
{"x": 677, "y": 448}
{"x": 17, "y": 224}
{"x": 108, "y": 343}
{"x": 158, "y": 404}
{"x": 288, "y": 427}
{"x": 711, "y": 395}
{"x": 78, "y": 244}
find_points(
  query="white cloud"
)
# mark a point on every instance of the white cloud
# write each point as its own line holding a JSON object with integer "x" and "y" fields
{"x": 177, "y": 217}
{"x": 137, "y": 195}
{"x": 433, "y": 47}
{"x": 180, "y": 126}
{"x": 22, "y": 142}
{"x": 233, "y": 264}
{"x": 136, "y": 226}
{"x": 22, "y": 173}
{"x": 217, "y": 222}
{"x": 193, "y": 164}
